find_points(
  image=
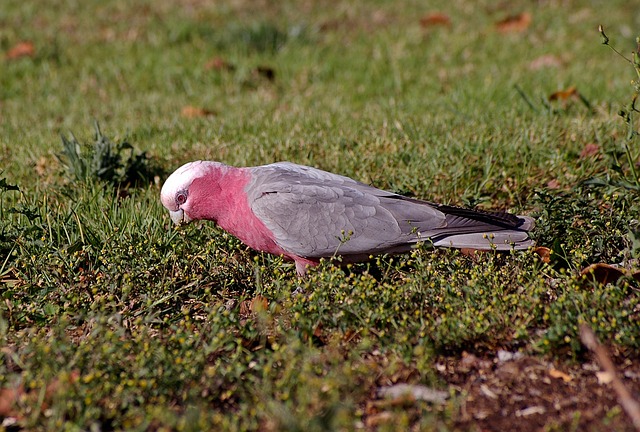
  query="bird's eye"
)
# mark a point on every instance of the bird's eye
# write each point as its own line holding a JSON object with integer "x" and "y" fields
{"x": 181, "y": 198}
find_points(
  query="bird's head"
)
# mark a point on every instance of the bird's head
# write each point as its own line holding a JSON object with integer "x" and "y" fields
{"x": 175, "y": 194}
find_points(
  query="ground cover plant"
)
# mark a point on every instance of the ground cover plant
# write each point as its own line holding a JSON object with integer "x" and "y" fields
{"x": 113, "y": 319}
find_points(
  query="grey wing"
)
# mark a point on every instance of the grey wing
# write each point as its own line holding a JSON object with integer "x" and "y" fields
{"x": 313, "y": 213}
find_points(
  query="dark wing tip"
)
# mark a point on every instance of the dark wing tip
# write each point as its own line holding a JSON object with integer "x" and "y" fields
{"x": 500, "y": 219}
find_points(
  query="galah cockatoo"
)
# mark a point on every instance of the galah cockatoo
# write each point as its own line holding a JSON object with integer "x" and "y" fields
{"x": 306, "y": 214}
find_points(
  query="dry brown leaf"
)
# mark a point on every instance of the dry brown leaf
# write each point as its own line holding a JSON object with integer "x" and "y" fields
{"x": 245, "y": 308}
{"x": 514, "y": 23}
{"x": 553, "y": 184}
{"x": 253, "y": 306}
{"x": 555, "y": 373}
{"x": 590, "y": 149}
{"x": 468, "y": 252}
{"x": 317, "y": 332}
{"x": 563, "y": 95}
{"x": 473, "y": 253}
{"x": 189, "y": 111}
{"x": 259, "y": 304}
{"x": 21, "y": 49}
{"x": 435, "y": 19}
{"x": 602, "y": 273}
{"x": 10, "y": 395}
{"x": 547, "y": 60}
{"x": 8, "y": 398}
{"x": 544, "y": 252}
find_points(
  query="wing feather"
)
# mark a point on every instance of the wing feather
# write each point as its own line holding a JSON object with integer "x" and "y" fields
{"x": 314, "y": 213}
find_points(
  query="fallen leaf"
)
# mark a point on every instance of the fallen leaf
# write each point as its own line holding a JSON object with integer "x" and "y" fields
{"x": 544, "y": 252}
{"x": 590, "y": 149}
{"x": 514, "y": 23}
{"x": 21, "y": 49}
{"x": 602, "y": 273}
{"x": 468, "y": 252}
{"x": 563, "y": 95}
{"x": 189, "y": 111}
{"x": 317, "y": 332}
{"x": 473, "y": 253}
{"x": 253, "y": 306}
{"x": 555, "y": 373}
{"x": 547, "y": 60}
{"x": 604, "y": 377}
{"x": 245, "y": 308}
{"x": 10, "y": 395}
{"x": 8, "y": 398}
{"x": 259, "y": 304}
{"x": 553, "y": 184}
{"x": 218, "y": 63}
{"x": 435, "y": 19}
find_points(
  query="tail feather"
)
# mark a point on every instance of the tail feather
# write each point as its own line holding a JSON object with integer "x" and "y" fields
{"x": 461, "y": 227}
{"x": 498, "y": 240}
{"x": 480, "y": 230}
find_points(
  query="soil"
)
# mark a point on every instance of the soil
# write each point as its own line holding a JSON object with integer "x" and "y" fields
{"x": 511, "y": 392}
{"x": 514, "y": 392}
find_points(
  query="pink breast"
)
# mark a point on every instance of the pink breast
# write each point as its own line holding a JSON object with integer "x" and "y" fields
{"x": 222, "y": 198}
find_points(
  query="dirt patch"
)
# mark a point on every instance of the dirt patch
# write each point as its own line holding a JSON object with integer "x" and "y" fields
{"x": 511, "y": 390}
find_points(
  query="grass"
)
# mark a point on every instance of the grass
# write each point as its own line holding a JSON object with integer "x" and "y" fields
{"x": 112, "y": 319}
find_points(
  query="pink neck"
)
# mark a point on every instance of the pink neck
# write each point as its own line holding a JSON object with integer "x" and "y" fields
{"x": 220, "y": 196}
{"x": 215, "y": 195}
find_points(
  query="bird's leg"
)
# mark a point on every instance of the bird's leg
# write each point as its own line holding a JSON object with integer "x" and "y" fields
{"x": 301, "y": 268}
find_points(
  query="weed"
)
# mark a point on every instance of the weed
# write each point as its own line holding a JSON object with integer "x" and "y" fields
{"x": 107, "y": 161}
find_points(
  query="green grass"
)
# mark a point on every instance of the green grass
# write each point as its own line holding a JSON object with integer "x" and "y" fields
{"x": 114, "y": 319}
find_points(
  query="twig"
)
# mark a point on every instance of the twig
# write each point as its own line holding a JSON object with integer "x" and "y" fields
{"x": 626, "y": 400}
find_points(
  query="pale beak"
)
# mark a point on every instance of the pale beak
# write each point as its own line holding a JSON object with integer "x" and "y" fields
{"x": 177, "y": 216}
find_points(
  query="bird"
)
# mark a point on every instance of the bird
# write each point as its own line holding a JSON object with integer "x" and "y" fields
{"x": 306, "y": 214}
